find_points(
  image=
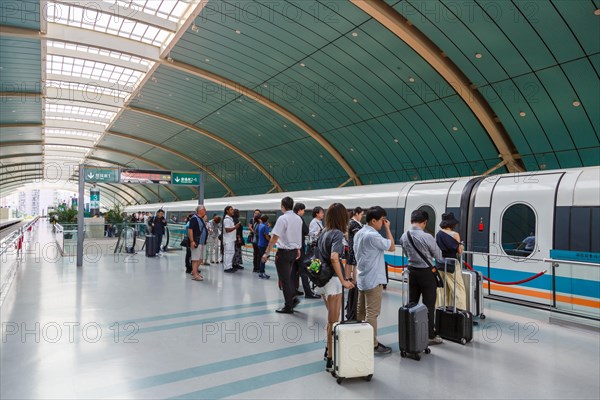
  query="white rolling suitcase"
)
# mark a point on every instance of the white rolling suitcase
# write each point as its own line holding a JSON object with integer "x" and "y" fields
{"x": 474, "y": 288}
{"x": 353, "y": 349}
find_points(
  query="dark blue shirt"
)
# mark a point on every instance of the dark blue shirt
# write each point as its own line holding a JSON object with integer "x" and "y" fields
{"x": 262, "y": 231}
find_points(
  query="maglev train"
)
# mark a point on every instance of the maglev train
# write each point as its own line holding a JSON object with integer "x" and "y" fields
{"x": 514, "y": 226}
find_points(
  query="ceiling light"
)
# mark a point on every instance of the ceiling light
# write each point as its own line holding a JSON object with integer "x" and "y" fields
{"x": 576, "y": 103}
{"x": 238, "y": 31}
{"x": 285, "y": 126}
{"x": 597, "y": 11}
{"x": 154, "y": 79}
{"x": 302, "y": 65}
{"x": 454, "y": 128}
{"x": 207, "y": 60}
{"x": 169, "y": 59}
{"x": 355, "y": 100}
{"x": 522, "y": 113}
{"x": 478, "y": 55}
{"x": 396, "y": 140}
{"x": 355, "y": 34}
{"x": 411, "y": 79}
{"x": 187, "y": 79}
{"x": 265, "y": 85}
{"x": 313, "y": 115}
{"x": 14, "y": 110}
{"x": 195, "y": 28}
{"x": 351, "y": 149}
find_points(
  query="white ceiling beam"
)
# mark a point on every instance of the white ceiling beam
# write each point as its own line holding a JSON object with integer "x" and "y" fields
{"x": 57, "y": 51}
{"x": 133, "y": 13}
{"x": 69, "y": 115}
{"x": 83, "y": 99}
{"x": 91, "y": 82}
{"x": 80, "y": 126}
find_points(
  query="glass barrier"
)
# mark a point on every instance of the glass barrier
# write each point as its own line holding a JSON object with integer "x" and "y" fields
{"x": 576, "y": 287}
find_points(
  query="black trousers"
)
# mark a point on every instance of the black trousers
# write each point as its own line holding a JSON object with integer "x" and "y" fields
{"x": 284, "y": 261}
{"x": 422, "y": 282}
{"x": 299, "y": 272}
{"x": 188, "y": 259}
{"x": 256, "y": 257}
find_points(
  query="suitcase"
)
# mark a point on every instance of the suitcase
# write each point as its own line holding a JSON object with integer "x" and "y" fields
{"x": 353, "y": 355}
{"x": 413, "y": 327}
{"x": 474, "y": 287}
{"x": 453, "y": 323}
{"x": 151, "y": 246}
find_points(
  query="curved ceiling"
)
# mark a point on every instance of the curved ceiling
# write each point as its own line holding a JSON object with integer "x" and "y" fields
{"x": 276, "y": 96}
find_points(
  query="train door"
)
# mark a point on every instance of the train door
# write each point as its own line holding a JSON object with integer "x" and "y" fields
{"x": 428, "y": 196}
{"x": 520, "y": 234}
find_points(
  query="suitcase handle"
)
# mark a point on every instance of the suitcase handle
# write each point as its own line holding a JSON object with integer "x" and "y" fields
{"x": 456, "y": 263}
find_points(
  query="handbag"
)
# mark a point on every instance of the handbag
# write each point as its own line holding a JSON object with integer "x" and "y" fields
{"x": 185, "y": 242}
{"x": 319, "y": 270}
{"x": 438, "y": 279}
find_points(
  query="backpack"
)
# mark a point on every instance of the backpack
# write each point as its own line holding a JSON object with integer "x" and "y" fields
{"x": 319, "y": 270}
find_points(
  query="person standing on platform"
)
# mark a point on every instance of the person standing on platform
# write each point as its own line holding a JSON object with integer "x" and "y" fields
{"x": 252, "y": 225}
{"x": 369, "y": 250}
{"x": 448, "y": 240}
{"x": 214, "y": 245}
{"x": 262, "y": 239}
{"x": 229, "y": 238}
{"x": 159, "y": 222}
{"x": 422, "y": 279}
{"x": 287, "y": 234}
{"x": 188, "y": 249}
{"x": 354, "y": 225}
{"x": 299, "y": 271}
{"x": 197, "y": 233}
{"x": 239, "y": 241}
{"x": 316, "y": 225}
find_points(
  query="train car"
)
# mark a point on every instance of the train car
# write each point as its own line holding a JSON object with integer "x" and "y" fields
{"x": 513, "y": 226}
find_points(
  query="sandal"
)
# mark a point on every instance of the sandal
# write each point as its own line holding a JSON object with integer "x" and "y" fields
{"x": 198, "y": 278}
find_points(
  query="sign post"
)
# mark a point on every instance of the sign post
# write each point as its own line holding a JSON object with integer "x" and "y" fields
{"x": 80, "y": 214}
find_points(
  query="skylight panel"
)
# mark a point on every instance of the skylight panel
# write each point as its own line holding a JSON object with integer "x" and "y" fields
{"x": 84, "y": 120}
{"x": 58, "y": 132}
{"x": 89, "y": 87}
{"x": 76, "y": 110}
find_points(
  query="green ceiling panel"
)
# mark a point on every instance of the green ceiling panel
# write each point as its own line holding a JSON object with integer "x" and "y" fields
{"x": 20, "y": 110}
{"x": 582, "y": 21}
{"x": 20, "y": 134}
{"x": 150, "y": 128}
{"x": 20, "y": 60}
{"x": 586, "y": 84}
{"x": 590, "y": 157}
{"x": 21, "y": 14}
{"x": 577, "y": 121}
{"x": 553, "y": 30}
{"x": 122, "y": 144}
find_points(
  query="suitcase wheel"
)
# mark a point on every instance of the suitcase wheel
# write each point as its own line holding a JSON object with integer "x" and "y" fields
{"x": 340, "y": 380}
{"x": 482, "y": 316}
{"x": 368, "y": 378}
{"x": 463, "y": 341}
{"x": 403, "y": 354}
{"x": 427, "y": 350}
{"x": 417, "y": 357}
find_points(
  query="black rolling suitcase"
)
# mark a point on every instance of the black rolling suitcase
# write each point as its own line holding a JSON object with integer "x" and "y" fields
{"x": 453, "y": 323}
{"x": 151, "y": 246}
{"x": 413, "y": 327}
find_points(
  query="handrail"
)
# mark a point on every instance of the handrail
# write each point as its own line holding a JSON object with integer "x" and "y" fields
{"x": 587, "y": 264}
{"x": 521, "y": 258}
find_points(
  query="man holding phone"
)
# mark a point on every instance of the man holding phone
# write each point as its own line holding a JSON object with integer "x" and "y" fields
{"x": 197, "y": 233}
{"x": 369, "y": 249}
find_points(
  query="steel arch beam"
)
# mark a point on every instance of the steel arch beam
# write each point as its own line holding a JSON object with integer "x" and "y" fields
{"x": 212, "y": 136}
{"x": 178, "y": 154}
{"x": 422, "y": 45}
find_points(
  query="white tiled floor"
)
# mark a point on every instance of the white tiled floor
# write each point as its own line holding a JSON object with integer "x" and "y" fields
{"x": 222, "y": 338}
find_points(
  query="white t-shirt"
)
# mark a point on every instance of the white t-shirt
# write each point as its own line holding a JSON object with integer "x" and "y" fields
{"x": 228, "y": 237}
{"x": 289, "y": 229}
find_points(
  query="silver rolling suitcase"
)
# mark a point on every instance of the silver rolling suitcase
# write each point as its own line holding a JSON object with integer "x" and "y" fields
{"x": 474, "y": 287}
{"x": 353, "y": 349}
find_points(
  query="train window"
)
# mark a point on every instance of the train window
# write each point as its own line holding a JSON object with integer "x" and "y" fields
{"x": 518, "y": 230}
{"x": 430, "y": 227}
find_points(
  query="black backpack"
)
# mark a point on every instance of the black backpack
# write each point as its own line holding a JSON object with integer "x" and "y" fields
{"x": 322, "y": 277}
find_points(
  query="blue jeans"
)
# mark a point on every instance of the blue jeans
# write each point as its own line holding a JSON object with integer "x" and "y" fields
{"x": 261, "y": 251}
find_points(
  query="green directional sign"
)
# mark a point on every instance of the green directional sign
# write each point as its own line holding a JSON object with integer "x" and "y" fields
{"x": 91, "y": 174}
{"x": 185, "y": 178}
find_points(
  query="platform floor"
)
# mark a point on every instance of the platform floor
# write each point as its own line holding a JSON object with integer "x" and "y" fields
{"x": 132, "y": 327}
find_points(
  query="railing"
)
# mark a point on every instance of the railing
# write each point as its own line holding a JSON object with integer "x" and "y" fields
{"x": 11, "y": 252}
{"x": 569, "y": 280}
{"x": 59, "y": 237}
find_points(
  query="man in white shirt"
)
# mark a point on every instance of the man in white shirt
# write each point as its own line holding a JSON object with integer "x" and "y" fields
{"x": 287, "y": 234}
{"x": 369, "y": 248}
{"x": 229, "y": 237}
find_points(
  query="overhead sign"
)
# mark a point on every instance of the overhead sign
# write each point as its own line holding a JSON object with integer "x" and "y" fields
{"x": 109, "y": 175}
{"x": 145, "y": 176}
{"x": 185, "y": 178}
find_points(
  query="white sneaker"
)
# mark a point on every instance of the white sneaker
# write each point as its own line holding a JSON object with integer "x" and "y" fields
{"x": 435, "y": 340}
